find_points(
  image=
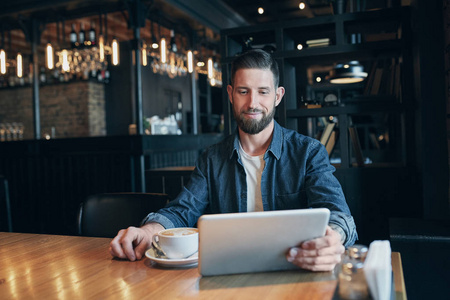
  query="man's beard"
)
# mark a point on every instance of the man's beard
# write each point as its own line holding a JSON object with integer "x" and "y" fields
{"x": 253, "y": 126}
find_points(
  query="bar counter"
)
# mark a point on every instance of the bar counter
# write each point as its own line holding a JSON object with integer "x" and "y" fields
{"x": 48, "y": 179}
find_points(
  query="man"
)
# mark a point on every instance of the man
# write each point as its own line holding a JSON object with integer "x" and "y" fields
{"x": 263, "y": 166}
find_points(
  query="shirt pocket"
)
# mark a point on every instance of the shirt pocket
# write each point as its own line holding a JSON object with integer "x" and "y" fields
{"x": 295, "y": 200}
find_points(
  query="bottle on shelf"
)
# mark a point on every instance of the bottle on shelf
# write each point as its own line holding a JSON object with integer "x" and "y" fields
{"x": 73, "y": 37}
{"x": 179, "y": 114}
{"x": 85, "y": 74}
{"x": 55, "y": 74}
{"x": 42, "y": 76}
{"x": 93, "y": 74}
{"x": 82, "y": 36}
{"x": 100, "y": 74}
{"x": 30, "y": 75}
{"x": 11, "y": 81}
{"x": 103, "y": 76}
{"x": 173, "y": 44}
{"x": 107, "y": 75}
{"x": 92, "y": 35}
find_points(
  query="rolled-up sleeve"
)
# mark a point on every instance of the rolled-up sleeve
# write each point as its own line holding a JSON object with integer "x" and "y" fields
{"x": 324, "y": 190}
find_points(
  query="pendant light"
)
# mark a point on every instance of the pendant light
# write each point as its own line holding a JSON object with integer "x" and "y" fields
{"x": 163, "y": 47}
{"x": 101, "y": 48}
{"x": 2, "y": 61}
{"x": 49, "y": 56}
{"x": 155, "y": 44}
{"x": 49, "y": 59}
{"x": 163, "y": 51}
{"x": 19, "y": 65}
{"x": 144, "y": 54}
{"x": 346, "y": 73}
{"x": 3, "y": 55}
{"x": 102, "y": 37}
{"x": 115, "y": 52}
{"x": 190, "y": 61}
{"x": 65, "y": 60}
{"x": 210, "y": 68}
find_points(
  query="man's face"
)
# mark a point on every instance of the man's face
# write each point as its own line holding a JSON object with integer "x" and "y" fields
{"x": 254, "y": 98}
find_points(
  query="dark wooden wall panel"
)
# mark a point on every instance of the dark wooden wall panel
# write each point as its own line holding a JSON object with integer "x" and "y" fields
{"x": 49, "y": 179}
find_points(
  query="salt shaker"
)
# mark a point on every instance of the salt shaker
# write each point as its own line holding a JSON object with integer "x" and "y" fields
{"x": 358, "y": 252}
{"x": 352, "y": 281}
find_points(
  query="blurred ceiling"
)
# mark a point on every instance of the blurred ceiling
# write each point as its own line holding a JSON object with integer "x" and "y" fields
{"x": 215, "y": 14}
{"x": 194, "y": 19}
{"x": 279, "y": 10}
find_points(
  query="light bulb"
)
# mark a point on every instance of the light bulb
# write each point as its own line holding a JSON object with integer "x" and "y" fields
{"x": 260, "y": 10}
{"x": 65, "y": 61}
{"x": 49, "y": 56}
{"x": 163, "y": 51}
{"x": 210, "y": 68}
{"x": 115, "y": 52}
{"x": 302, "y": 5}
{"x": 190, "y": 61}
{"x": 101, "y": 47}
{"x": 19, "y": 65}
{"x": 144, "y": 55}
{"x": 2, "y": 61}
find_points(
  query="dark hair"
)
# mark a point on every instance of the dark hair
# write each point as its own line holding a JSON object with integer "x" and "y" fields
{"x": 256, "y": 59}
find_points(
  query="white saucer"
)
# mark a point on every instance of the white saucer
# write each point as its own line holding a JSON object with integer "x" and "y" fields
{"x": 182, "y": 262}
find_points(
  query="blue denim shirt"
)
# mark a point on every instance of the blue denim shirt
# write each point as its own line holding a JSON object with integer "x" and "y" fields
{"x": 297, "y": 174}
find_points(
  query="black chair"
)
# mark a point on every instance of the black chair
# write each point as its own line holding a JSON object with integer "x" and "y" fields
{"x": 424, "y": 246}
{"x": 5, "y": 206}
{"x": 103, "y": 215}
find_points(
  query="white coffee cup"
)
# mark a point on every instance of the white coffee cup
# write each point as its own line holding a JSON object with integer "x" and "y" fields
{"x": 178, "y": 242}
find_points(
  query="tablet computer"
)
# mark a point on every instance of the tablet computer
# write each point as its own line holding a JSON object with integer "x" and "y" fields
{"x": 255, "y": 241}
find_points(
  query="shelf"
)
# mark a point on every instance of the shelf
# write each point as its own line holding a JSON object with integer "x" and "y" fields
{"x": 355, "y": 51}
{"x": 338, "y": 29}
{"x": 363, "y": 48}
{"x": 348, "y": 109}
{"x": 383, "y": 42}
{"x": 373, "y": 15}
{"x": 373, "y": 142}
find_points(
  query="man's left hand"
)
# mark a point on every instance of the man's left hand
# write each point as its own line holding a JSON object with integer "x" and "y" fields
{"x": 321, "y": 254}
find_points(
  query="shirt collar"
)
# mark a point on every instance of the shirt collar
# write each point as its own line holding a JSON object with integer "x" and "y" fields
{"x": 274, "y": 147}
{"x": 277, "y": 141}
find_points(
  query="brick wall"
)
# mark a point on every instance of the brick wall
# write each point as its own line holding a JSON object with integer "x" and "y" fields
{"x": 74, "y": 109}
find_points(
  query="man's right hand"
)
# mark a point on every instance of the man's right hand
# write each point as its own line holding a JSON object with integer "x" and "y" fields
{"x": 131, "y": 243}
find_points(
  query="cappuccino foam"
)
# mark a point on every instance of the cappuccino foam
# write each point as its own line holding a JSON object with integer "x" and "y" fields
{"x": 179, "y": 231}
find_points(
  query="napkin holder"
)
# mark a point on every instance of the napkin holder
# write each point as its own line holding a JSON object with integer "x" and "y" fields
{"x": 378, "y": 270}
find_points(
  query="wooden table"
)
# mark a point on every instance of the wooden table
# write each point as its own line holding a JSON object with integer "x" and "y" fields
{"x": 36, "y": 266}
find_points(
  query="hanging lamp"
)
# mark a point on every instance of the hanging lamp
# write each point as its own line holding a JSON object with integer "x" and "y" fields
{"x": 345, "y": 73}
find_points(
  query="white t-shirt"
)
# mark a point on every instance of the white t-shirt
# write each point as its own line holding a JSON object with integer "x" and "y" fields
{"x": 254, "y": 166}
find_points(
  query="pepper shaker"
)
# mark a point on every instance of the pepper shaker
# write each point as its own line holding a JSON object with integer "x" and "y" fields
{"x": 352, "y": 281}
